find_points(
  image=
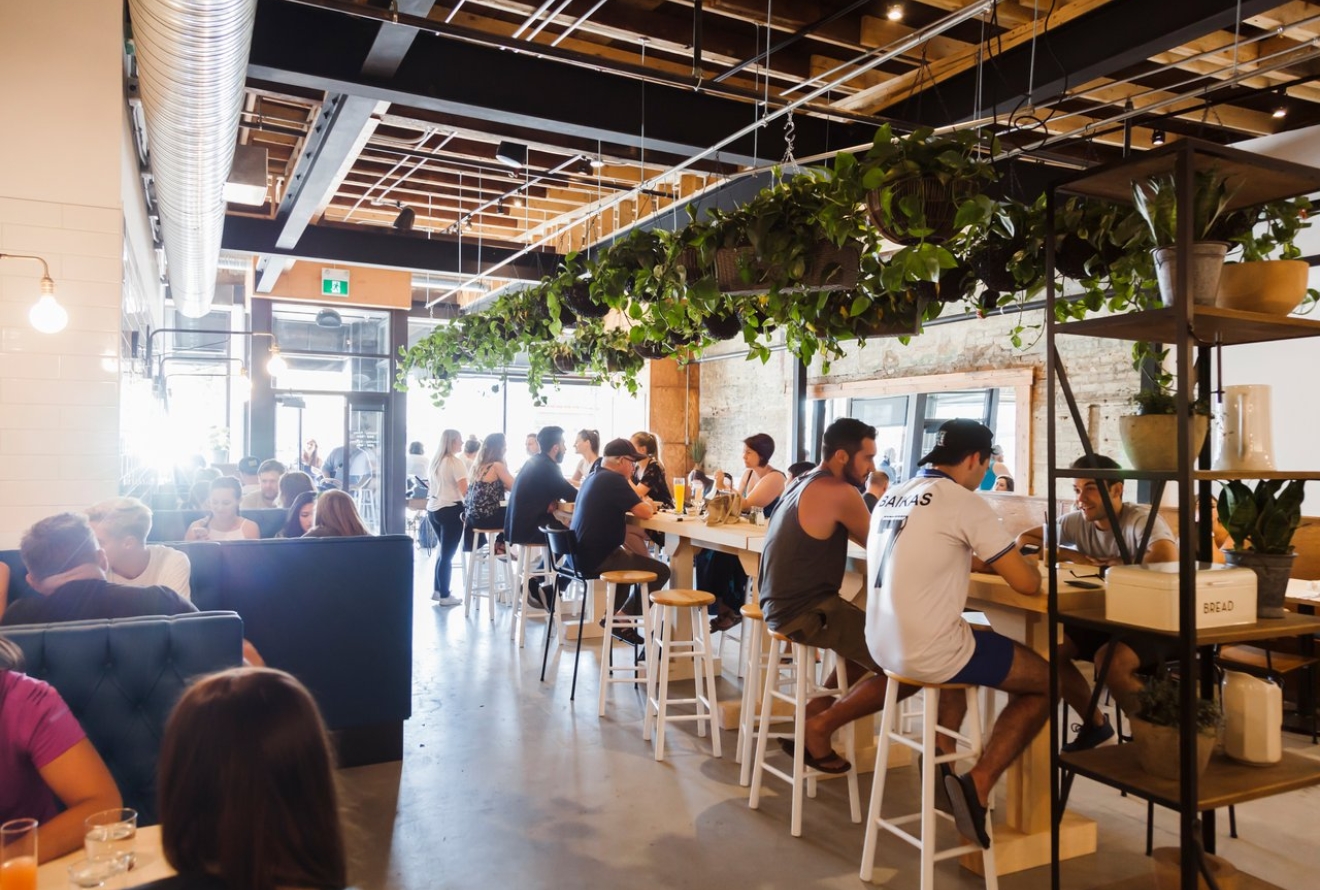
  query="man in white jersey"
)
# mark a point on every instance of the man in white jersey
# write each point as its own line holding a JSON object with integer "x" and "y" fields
{"x": 926, "y": 538}
{"x": 121, "y": 525}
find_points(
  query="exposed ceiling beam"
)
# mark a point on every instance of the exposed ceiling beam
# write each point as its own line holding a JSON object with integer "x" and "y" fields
{"x": 1111, "y": 38}
{"x": 451, "y": 76}
{"x": 394, "y": 251}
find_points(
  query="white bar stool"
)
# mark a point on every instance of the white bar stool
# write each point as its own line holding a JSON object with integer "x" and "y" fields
{"x": 889, "y": 733}
{"x": 523, "y": 571}
{"x": 494, "y": 565}
{"x": 662, "y": 648}
{"x": 640, "y": 623}
{"x": 801, "y": 668}
{"x": 753, "y": 671}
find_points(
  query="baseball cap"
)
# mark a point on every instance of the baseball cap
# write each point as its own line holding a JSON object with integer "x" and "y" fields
{"x": 249, "y": 465}
{"x": 956, "y": 439}
{"x": 621, "y": 448}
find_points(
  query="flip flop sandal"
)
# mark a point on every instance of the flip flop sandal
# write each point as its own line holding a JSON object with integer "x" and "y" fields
{"x": 818, "y": 764}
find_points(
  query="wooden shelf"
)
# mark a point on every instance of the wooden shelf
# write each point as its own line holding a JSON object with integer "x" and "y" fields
{"x": 1231, "y": 326}
{"x": 1260, "y": 179}
{"x": 1291, "y": 625}
{"x": 1226, "y": 782}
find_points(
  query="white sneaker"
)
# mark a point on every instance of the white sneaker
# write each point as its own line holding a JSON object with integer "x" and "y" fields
{"x": 446, "y": 600}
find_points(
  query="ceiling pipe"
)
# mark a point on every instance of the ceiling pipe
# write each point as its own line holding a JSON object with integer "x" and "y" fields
{"x": 192, "y": 66}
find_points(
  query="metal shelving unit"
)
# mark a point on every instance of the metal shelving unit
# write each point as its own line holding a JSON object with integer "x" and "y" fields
{"x": 1190, "y": 331}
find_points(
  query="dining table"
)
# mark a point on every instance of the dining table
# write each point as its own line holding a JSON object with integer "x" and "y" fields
{"x": 150, "y": 865}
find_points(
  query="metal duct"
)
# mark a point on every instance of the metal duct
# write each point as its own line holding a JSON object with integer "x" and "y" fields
{"x": 192, "y": 61}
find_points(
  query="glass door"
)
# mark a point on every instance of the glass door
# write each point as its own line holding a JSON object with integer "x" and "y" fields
{"x": 364, "y": 430}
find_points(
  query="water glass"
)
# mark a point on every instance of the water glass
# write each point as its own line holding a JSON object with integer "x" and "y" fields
{"x": 112, "y": 832}
{"x": 99, "y": 871}
{"x": 18, "y": 855}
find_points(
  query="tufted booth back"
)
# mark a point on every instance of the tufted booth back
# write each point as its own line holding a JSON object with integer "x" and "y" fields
{"x": 122, "y": 678}
{"x": 170, "y": 525}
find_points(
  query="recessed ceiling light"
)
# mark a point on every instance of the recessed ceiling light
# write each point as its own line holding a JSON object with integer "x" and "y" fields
{"x": 895, "y": 12}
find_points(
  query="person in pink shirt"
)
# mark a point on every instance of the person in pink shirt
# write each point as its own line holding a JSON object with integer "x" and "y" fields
{"x": 46, "y": 760}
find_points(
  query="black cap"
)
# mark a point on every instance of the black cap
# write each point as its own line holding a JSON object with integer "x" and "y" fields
{"x": 621, "y": 448}
{"x": 958, "y": 438}
{"x": 249, "y": 465}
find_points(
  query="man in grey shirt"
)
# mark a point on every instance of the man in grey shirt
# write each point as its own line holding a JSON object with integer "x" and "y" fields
{"x": 1086, "y": 536}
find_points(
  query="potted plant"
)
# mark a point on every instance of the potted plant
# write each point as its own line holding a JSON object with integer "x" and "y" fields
{"x": 1261, "y": 524}
{"x": 1156, "y": 727}
{"x": 1270, "y": 277}
{"x": 1150, "y": 435}
{"x": 217, "y": 438}
{"x": 1156, "y": 200}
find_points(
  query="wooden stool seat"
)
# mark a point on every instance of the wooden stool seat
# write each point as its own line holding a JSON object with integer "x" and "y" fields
{"x": 629, "y": 576}
{"x": 682, "y": 598}
{"x": 776, "y": 635}
{"x": 921, "y": 684}
{"x": 752, "y": 611}
{"x": 1253, "y": 658}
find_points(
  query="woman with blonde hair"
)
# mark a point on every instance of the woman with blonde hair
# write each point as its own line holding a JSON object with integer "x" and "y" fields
{"x": 444, "y": 508}
{"x": 336, "y": 516}
{"x": 247, "y": 792}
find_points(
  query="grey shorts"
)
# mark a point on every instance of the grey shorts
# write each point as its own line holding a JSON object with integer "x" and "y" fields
{"x": 837, "y": 625}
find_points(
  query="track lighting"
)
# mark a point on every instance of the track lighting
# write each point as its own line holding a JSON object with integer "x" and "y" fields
{"x": 46, "y": 315}
{"x": 1280, "y": 112}
{"x": 895, "y": 12}
{"x": 1157, "y": 137}
{"x": 512, "y": 154}
{"x": 597, "y": 163}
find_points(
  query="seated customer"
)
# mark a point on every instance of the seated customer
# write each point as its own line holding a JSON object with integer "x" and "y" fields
{"x": 247, "y": 789}
{"x": 67, "y": 567}
{"x": 1086, "y": 536}
{"x": 648, "y": 478}
{"x": 267, "y": 494}
{"x": 292, "y": 484}
{"x": 336, "y": 516}
{"x": 599, "y": 523}
{"x": 299, "y": 520}
{"x": 539, "y": 487}
{"x": 799, "y": 469}
{"x": 876, "y": 485}
{"x": 121, "y": 526}
{"x": 224, "y": 523}
{"x": 926, "y": 537}
{"x": 587, "y": 445}
{"x": 51, "y": 771}
{"x": 488, "y": 480}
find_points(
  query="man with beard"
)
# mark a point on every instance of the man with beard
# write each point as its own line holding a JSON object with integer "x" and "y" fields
{"x": 537, "y": 490}
{"x": 802, "y": 569}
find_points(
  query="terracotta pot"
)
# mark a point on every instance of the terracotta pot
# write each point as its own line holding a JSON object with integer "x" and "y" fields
{"x": 1272, "y": 573}
{"x": 1207, "y": 264}
{"x": 1151, "y": 440}
{"x": 1157, "y": 749}
{"x": 1271, "y": 287}
{"x": 1167, "y": 862}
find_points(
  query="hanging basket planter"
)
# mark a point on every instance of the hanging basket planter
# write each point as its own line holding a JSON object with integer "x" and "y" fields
{"x": 565, "y": 363}
{"x": 723, "y": 327}
{"x": 884, "y": 320}
{"x": 990, "y": 263}
{"x": 829, "y": 268}
{"x": 651, "y": 350}
{"x": 579, "y": 299}
{"x": 938, "y": 203}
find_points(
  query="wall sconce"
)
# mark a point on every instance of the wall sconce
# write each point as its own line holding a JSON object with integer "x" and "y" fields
{"x": 46, "y": 315}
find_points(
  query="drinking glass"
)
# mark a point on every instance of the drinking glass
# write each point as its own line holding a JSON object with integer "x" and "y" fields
{"x": 18, "y": 855}
{"x": 98, "y": 871}
{"x": 680, "y": 491}
{"x": 112, "y": 832}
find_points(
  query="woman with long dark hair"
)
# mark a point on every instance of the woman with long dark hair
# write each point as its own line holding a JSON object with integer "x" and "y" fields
{"x": 299, "y": 520}
{"x": 224, "y": 522}
{"x": 247, "y": 796}
{"x": 488, "y": 482}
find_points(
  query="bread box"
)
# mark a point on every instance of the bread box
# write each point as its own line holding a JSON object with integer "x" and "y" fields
{"x": 1147, "y": 595}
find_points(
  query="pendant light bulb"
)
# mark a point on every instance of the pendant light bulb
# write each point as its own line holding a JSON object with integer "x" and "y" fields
{"x": 47, "y": 315}
{"x": 277, "y": 365}
{"x": 895, "y": 12}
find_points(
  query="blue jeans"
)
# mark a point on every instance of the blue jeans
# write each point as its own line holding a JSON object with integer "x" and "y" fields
{"x": 448, "y": 525}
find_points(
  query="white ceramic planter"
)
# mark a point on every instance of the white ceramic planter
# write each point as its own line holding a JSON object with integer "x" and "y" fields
{"x": 1207, "y": 263}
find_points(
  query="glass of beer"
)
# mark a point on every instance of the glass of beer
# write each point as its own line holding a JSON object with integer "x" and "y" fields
{"x": 18, "y": 855}
{"x": 680, "y": 492}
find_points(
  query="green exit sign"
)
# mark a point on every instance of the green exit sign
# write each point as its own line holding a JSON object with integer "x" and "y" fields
{"x": 334, "y": 282}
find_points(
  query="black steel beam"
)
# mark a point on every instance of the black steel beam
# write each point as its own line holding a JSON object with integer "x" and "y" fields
{"x": 451, "y": 76}
{"x": 389, "y": 250}
{"x": 1118, "y": 34}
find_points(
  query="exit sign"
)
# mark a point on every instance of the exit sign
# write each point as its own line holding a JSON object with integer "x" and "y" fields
{"x": 334, "y": 282}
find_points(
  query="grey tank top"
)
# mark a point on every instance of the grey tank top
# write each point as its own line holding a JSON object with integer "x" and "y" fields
{"x": 797, "y": 570}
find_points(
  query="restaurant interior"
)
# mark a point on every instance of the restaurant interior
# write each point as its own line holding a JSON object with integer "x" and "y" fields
{"x": 236, "y": 228}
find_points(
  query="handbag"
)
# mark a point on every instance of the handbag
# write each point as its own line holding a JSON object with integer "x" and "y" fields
{"x": 723, "y": 508}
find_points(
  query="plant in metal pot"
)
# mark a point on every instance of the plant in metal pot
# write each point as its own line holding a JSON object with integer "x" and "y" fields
{"x": 1156, "y": 199}
{"x": 1261, "y": 524}
{"x": 1269, "y": 276}
{"x": 1157, "y": 723}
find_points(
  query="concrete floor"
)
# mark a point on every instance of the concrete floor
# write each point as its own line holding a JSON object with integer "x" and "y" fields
{"x": 505, "y": 782}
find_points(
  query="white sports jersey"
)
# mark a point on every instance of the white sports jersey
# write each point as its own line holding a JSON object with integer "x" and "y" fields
{"x": 919, "y": 554}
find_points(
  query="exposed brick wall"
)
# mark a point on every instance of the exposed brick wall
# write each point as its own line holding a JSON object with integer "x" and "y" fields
{"x": 740, "y": 397}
